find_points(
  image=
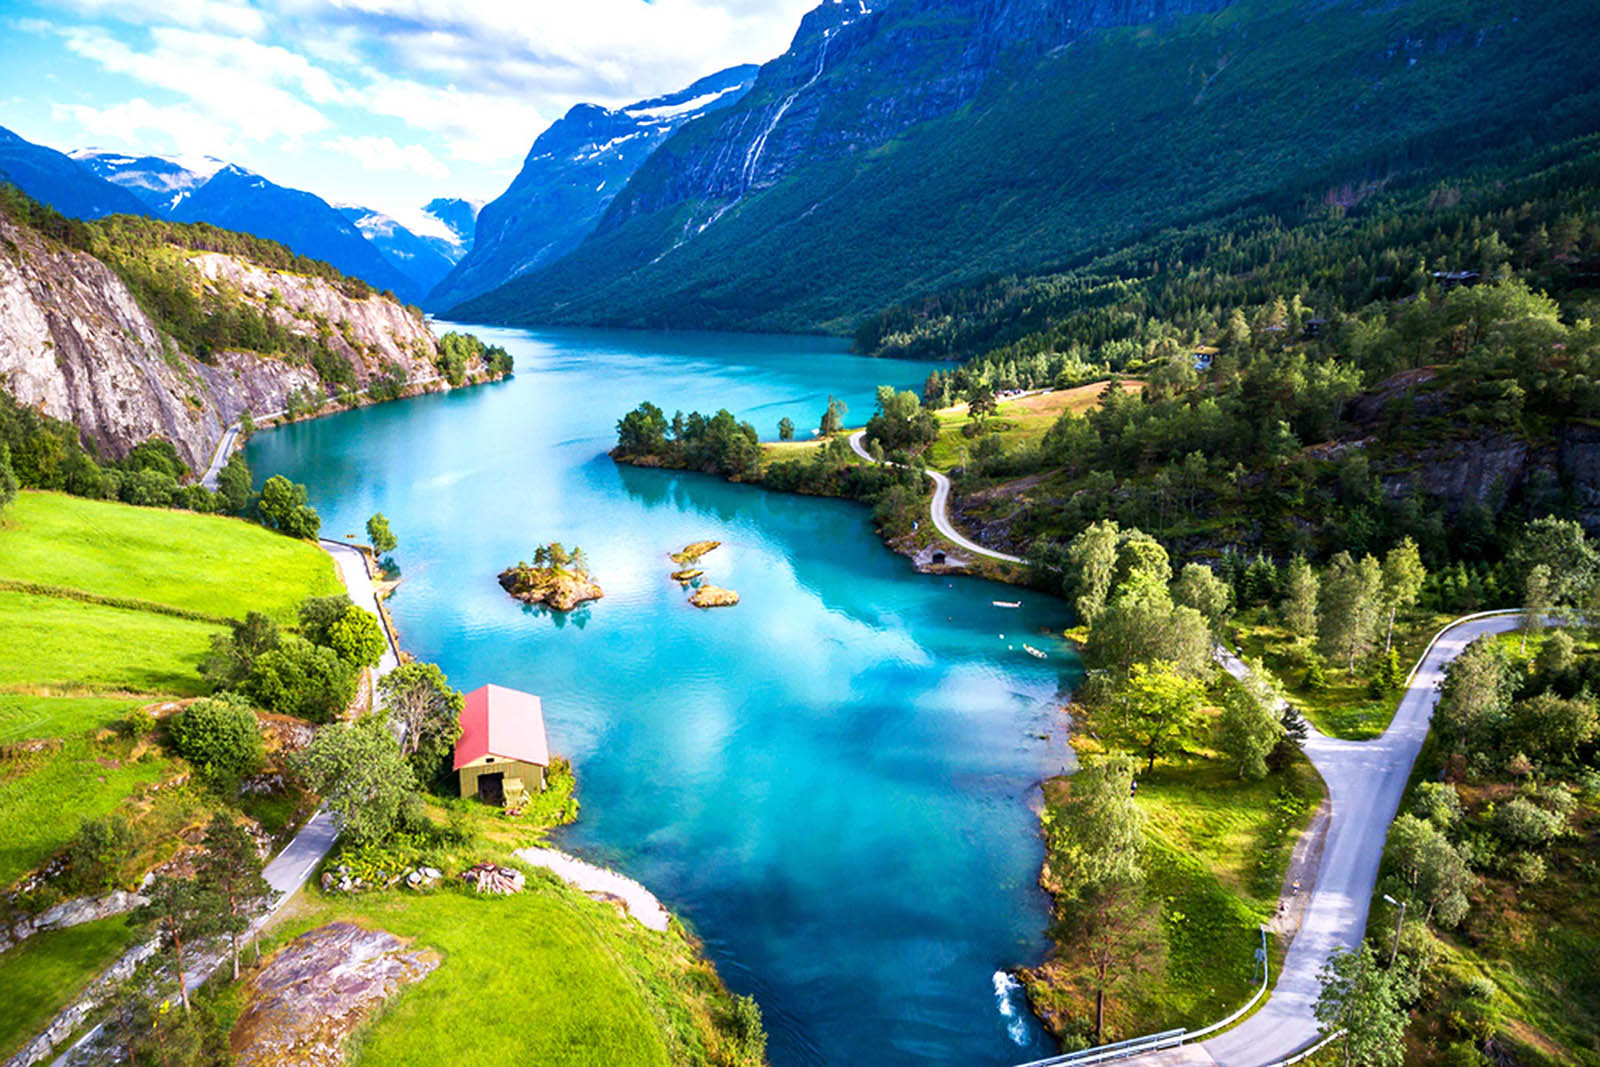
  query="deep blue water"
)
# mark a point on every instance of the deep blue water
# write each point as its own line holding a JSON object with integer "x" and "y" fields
{"x": 830, "y": 781}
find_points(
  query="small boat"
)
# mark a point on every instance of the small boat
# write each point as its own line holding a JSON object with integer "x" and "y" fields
{"x": 1008, "y": 603}
{"x": 1034, "y": 652}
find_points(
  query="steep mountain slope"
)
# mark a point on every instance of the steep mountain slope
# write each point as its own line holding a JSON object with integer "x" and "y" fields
{"x": 418, "y": 258}
{"x": 237, "y": 199}
{"x": 60, "y": 181}
{"x": 900, "y": 151}
{"x": 130, "y": 328}
{"x": 571, "y": 174}
{"x": 160, "y": 182}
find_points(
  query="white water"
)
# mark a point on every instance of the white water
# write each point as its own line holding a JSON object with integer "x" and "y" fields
{"x": 1009, "y": 999}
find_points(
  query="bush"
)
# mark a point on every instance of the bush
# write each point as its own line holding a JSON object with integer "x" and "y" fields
{"x": 136, "y": 723}
{"x": 302, "y": 679}
{"x": 1521, "y": 823}
{"x": 96, "y": 855}
{"x": 357, "y": 637}
{"x": 221, "y": 737}
{"x": 1526, "y": 868}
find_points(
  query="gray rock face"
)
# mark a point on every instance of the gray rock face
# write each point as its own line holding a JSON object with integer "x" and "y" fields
{"x": 68, "y": 913}
{"x": 317, "y": 989}
{"x": 75, "y": 344}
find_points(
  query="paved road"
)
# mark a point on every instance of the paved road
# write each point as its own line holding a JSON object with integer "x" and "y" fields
{"x": 353, "y": 572}
{"x": 939, "y": 508}
{"x": 219, "y": 458}
{"x": 1365, "y": 781}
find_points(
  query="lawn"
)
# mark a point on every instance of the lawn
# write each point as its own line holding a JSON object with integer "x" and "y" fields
{"x": 45, "y": 794}
{"x": 1020, "y": 422}
{"x": 547, "y": 976}
{"x": 50, "y": 646}
{"x": 48, "y": 970}
{"x": 23, "y": 717}
{"x": 205, "y": 563}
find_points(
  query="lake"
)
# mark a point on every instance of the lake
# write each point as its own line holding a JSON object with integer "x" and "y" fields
{"x": 831, "y": 781}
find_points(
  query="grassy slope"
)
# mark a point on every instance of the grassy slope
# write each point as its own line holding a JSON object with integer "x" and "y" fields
{"x": 581, "y": 986}
{"x": 204, "y": 563}
{"x": 50, "y": 969}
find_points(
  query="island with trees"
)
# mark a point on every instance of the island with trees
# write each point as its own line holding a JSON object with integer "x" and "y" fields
{"x": 557, "y": 578}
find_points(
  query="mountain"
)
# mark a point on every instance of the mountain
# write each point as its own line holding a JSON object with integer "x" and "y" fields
{"x": 895, "y": 152}
{"x": 571, "y": 174}
{"x": 459, "y": 216}
{"x": 237, "y": 199}
{"x": 160, "y": 182}
{"x": 420, "y": 259}
{"x": 53, "y": 178}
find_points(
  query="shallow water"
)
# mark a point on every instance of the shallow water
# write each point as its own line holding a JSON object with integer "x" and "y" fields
{"x": 830, "y": 781}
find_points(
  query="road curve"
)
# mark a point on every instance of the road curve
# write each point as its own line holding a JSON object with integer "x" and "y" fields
{"x": 939, "y": 507}
{"x": 219, "y": 458}
{"x": 1365, "y": 781}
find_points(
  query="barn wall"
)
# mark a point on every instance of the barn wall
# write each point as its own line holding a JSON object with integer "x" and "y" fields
{"x": 532, "y": 775}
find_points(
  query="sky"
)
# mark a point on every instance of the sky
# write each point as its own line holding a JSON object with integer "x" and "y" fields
{"x": 385, "y": 103}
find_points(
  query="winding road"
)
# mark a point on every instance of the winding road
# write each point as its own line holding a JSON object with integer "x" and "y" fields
{"x": 1365, "y": 781}
{"x": 938, "y": 507}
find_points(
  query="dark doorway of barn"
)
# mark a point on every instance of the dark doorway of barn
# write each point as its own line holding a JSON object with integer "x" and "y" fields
{"x": 491, "y": 788}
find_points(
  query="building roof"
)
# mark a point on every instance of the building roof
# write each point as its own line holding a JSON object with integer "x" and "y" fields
{"x": 501, "y": 722}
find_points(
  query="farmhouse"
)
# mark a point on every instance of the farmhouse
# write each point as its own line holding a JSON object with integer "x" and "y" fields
{"x": 502, "y": 753}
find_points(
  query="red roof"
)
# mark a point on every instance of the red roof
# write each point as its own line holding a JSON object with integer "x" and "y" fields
{"x": 502, "y": 722}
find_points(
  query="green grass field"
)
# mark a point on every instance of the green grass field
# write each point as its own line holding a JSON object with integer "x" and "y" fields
{"x": 1018, "y": 423}
{"x": 204, "y": 563}
{"x": 68, "y": 647}
{"x": 23, "y": 717}
{"x": 44, "y": 795}
{"x": 574, "y": 984}
{"x": 50, "y": 969}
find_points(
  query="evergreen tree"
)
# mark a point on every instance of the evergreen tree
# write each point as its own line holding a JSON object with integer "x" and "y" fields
{"x": 379, "y": 535}
{"x": 181, "y": 910}
{"x": 230, "y": 869}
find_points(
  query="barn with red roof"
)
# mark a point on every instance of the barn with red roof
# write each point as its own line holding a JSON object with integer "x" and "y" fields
{"x": 502, "y": 751}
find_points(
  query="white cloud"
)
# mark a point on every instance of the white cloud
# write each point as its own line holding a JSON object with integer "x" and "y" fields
{"x": 219, "y": 15}
{"x": 382, "y": 153}
{"x": 178, "y": 128}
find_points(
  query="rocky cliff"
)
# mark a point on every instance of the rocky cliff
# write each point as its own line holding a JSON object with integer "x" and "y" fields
{"x": 75, "y": 344}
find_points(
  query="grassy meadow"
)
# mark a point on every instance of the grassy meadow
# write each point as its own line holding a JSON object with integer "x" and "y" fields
{"x": 50, "y": 969}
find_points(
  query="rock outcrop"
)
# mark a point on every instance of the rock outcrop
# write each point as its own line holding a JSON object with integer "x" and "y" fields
{"x": 319, "y": 988}
{"x": 559, "y": 590}
{"x": 75, "y": 344}
{"x": 713, "y": 596}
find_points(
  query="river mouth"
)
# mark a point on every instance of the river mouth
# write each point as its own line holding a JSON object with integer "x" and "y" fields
{"x": 828, "y": 781}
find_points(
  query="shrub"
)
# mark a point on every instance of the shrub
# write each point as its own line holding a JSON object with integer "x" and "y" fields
{"x": 1522, "y": 823}
{"x": 221, "y": 737}
{"x": 302, "y": 679}
{"x": 357, "y": 637}
{"x": 96, "y": 855}
{"x": 1526, "y": 868}
{"x": 136, "y": 723}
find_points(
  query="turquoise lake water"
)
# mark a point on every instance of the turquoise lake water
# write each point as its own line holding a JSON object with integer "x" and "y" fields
{"x": 831, "y": 781}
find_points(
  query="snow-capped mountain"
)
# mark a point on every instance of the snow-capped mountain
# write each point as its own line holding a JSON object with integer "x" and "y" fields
{"x": 422, "y": 259}
{"x": 53, "y": 178}
{"x": 571, "y": 174}
{"x": 459, "y": 217}
{"x": 161, "y": 182}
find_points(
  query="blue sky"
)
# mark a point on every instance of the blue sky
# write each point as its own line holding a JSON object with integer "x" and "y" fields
{"x": 386, "y": 103}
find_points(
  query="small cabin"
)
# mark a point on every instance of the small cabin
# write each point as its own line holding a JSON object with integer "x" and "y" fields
{"x": 502, "y": 753}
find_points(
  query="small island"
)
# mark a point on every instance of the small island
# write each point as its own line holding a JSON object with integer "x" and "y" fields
{"x": 713, "y": 596}
{"x": 556, "y": 578}
{"x": 692, "y": 553}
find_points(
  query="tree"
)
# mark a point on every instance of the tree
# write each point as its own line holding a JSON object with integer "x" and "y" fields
{"x": 1091, "y": 562}
{"x": 1538, "y": 600}
{"x": 283, "y": 507}
{"x": 1299, "y": 606}
{"x": 1523, "y": 824}
{"x": 357, "y": 637}
{"x": 358, "y": 769}
{"x": 1348, "y": 606}
{"x": 642, "y": 431}
{"x": 233, "y": 484}
{"x": 97, "y": 853}
{"x": 8, "y": 479}
{"x": 1251, "y": 724}
{"x": 234, "y": 653}
{"x": 833, "y": 417}
{"x": 1561, "y": 546}
{"x": 420, "y": 702}
{"x": 382, "y": 538}
{"x": 1198, "y": 588}
{"x": 1475, "y": 695}
{"x": 1438, "y": 803}
{"x": 1142, "y": 624}
{"x": 1094, "y": 837}
{"x": 302, "y": 679}
{"x": 1140, "y": 559}
{"x": 1364, "y": 1000}
{"x": 1433, "y": 871}
{"x": 230, "y": 869}
{"x": 180, "y": 910}
{"x": 900, "y": 422}
{"x": 319, "y": 613}
{"x": 786, "y": 429}
{"x": 1551, "y": 727}
{"x": 1403, "y": 575}
{"x": 981, "y": 403}
{"x": 221, "y": 737}
{"x": 1154, "y": 711}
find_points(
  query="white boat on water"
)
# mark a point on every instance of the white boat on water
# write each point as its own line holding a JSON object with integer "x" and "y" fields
{"x": 1034, "y": 652}
{"x": 1007, "y": 603}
